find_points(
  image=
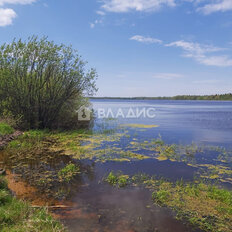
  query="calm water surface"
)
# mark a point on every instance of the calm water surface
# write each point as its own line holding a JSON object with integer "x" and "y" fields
{"x": 103, "y": 208}
{"x": 94, "y": 206}
{"x": 208, "y": 122}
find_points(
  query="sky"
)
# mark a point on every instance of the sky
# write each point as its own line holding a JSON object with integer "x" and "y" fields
{"x": 138, "y": 47}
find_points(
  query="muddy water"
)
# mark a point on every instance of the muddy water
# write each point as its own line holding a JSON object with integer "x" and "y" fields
{"x": 102, "y": 208}
{"x": 93, "y": 205}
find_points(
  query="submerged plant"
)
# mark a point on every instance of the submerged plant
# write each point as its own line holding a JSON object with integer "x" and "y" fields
{"x": 160, "y": 196}
{"x": 117, "y": 179}
{"x": 203, "y": 205}
{"x": 68, "y": 172}
{"x": 112, "y": 178}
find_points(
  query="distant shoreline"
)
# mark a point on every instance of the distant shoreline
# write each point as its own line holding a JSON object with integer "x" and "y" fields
{"x": 216, "y": 97}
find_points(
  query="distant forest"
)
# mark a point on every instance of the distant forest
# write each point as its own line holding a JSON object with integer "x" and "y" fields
{"x": 216, "y": 97}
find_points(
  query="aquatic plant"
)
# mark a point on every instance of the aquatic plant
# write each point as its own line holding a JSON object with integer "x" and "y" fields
{"x": 117, "y": 179}
{"x": 204, "y": 205}
{"x": 141, "y": 126}
{"x": 68, "y": 172}
{"x": 123, "y": 180}
{"x": 112, "y": 178}
{"x": 160, "y": 196}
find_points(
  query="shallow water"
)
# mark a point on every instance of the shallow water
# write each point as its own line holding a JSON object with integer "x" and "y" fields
{"x": 103, "y": 208}
{"x": 93, "y": 205}
{"x": 208, "y": 122}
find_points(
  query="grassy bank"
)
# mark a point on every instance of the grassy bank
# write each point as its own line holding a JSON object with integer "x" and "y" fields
{"x": 5, "y": 129}
{"x": 204, "y": 205}
{"x": 17, "y": 215}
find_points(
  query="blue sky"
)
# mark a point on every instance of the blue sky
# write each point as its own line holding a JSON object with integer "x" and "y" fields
{"x": 139, "y": 47}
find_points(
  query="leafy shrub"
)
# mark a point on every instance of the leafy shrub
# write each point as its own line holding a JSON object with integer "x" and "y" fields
{"x": 43, "y": 83}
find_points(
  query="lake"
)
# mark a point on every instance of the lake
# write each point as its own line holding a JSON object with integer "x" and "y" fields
{"x": 185, "y": 141}
{"x": 103, "y": 208}
{"x": 208, "y": 122}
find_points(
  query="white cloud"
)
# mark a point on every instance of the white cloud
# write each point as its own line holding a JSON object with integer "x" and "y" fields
{"x": 6, "y": 17}
{"x": 221, "y": 61}
{"x": 99, "y": 12}
{"x": 206, "y": 82}
{"x": 121, "y": 6}
{"x": 22, "y": 2}
{"x": 97, "y": 21}
{"x": 194, "y": 49}
{"x": 167, "y": 76}
{"x": 135, "y": 5}
{"x": 148, "y": 40}
{"x": 215, "y": 6}
{"x": 201, "y": 53}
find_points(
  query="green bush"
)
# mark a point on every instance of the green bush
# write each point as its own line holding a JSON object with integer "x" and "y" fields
{"x": 43, "y": 83}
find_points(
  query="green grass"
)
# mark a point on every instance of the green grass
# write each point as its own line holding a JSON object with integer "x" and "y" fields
{"x": 118, "y": 179}
{"x": 161, "y": 196}
{"x": 205, "y": 206}
{"x": 68, "y": 172}
{"x": 29, "y": 141}
{"x": 19, "y": 216}
{"x": 112, "y": 178}
{"x": 5, "y": 129}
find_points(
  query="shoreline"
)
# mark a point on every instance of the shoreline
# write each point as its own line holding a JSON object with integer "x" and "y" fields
{"x": 157, "y": 99}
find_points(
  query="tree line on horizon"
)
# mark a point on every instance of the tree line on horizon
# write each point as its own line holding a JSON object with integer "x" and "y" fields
{"x": 216, "y": 97}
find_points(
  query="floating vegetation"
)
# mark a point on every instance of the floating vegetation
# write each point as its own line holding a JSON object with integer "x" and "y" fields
{"x": 142, "y": 126}
{"x": 203, "y": 205}
{"x": 30, "y": 157}
{"x": 119, "y": 146}
{"x": 118, "y": 179}
{"x": 216, "y": 172}
{"x": 193, "y": 155}
{"x": 52, "y": 162}
{"x": 68, "y": 172}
